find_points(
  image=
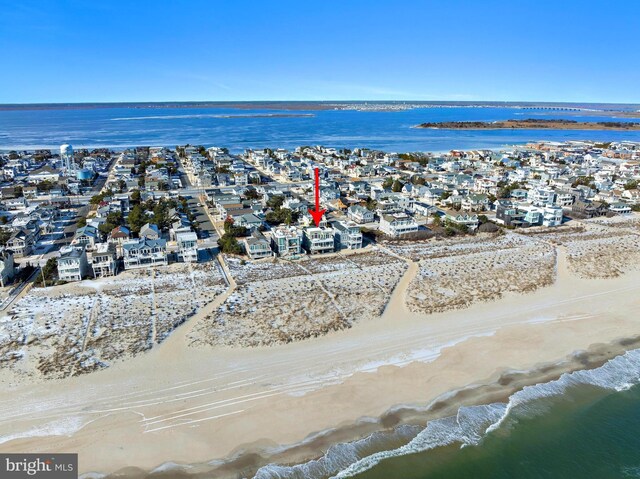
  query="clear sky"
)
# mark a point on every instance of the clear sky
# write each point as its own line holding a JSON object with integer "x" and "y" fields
{"x": 136, "y": 50}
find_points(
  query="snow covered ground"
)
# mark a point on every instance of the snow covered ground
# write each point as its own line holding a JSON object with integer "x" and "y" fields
{"x": 79, "y": 327}
{"x": 282, "y": 301}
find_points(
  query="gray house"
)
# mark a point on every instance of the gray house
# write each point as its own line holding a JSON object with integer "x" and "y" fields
{"x": 6, "y": 267}
{"x": 72, "y": 263}
{"x": 150, "y": 231}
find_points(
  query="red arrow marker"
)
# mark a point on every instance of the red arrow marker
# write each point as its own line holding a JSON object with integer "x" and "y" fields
{"x": 317, "y": 213}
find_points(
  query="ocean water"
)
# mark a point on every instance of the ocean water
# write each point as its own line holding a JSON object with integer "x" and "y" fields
{"x": 586, "y": 424}
{"x": 237, "y": 129}
{"x": 584, "y": 434}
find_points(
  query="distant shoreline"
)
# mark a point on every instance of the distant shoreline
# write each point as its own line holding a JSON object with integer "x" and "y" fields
{"x": 630, "y": 109}
{"x": 533, "y": 124}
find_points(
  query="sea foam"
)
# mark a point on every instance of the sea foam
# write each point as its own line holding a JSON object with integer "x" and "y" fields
{"x": 467, "y": 428}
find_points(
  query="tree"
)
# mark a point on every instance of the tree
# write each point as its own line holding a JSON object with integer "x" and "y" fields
{"x": 136, "y": 219}
{"x": 135, "y": 196}
{"x": 161, "y": 215}
{"x": 388, "y": 182}
{"x": 583, "y": 181}
{"x": 631, "y": 185}
{"x": 282, "y": 215}
{"x": 251, "y": 194}
{"x": 232, "y": 230}
{"x": 49, "y": 271}
{"x": 82, "y": 222}
{"x": 45, "y": 185}
{"x": 114, "y": 220}
{"x": 397, "y": 186}
{"x": 275, "y": 201}
{"x": 506, "y": 189}
{"x": 4, "y": 236}
{"x": 229, "y": 244}
{"x": 97, "y": 199}
{"x": 437, "y": 221}
{"x": 488, "y": 228}
{"x": 371, "y": 204}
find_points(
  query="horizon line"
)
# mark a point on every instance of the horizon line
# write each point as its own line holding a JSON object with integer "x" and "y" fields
{"x": 128, "y": 102}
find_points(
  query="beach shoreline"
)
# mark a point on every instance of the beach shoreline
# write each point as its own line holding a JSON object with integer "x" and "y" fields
{"x": 247, "y": 460}
{"x": 236, "y": 409}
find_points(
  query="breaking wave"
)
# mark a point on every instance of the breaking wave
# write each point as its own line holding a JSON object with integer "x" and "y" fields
{"x": 467, "y": 428}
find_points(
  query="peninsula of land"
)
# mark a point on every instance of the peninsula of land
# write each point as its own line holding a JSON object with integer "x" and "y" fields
{"x": 532, "y": 124}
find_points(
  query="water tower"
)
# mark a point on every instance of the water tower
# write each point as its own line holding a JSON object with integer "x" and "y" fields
{"x": 66, "y": 155}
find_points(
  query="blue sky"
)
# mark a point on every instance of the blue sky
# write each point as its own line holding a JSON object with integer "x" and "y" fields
{"x": 86, "y": 51}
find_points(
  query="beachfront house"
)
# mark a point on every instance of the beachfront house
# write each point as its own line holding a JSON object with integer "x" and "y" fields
{"x": 72, "y": 263}
{"x": 347, "y": 235}
{"x": 257, "y": 246}
{"x": 588, "y": 209}
{"x": 103, "y": 260}
{"x": 508, "y": 214}
{"x": 319, "y": 240}
{"x": 286, "y": 240}
{"x": 620, "y": 208}
{"x": 470, "y": 221}
{"x": 142, "y": 253}
{"x": 397, "y": 224}
{"x": 187, "y": 246}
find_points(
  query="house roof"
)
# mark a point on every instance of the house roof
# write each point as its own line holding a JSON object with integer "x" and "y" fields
{"x": 149, "y": 227}
{"x": 144, "y": 242}
{"x": 87, "y": 231}
{"x": 120, "y": 232}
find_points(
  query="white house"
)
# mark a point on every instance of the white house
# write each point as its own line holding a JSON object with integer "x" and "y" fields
{"x": 318, "y": 240}
{"x": 187, "y": 246}
{"x": 468, "y": 220}
{"x": 103, "y": 260}
{"x": 359, "y": 214}
{"x": 397, "y": 224}
{"x": 620, "y": 208}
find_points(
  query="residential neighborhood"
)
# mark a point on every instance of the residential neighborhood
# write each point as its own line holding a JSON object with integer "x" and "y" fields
{"x": 91, "y": 214}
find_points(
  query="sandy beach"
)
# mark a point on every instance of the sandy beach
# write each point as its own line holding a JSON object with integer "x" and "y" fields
{"x": 187, "y": 403}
